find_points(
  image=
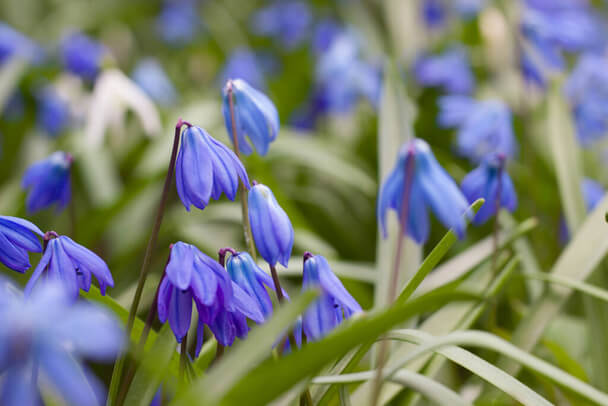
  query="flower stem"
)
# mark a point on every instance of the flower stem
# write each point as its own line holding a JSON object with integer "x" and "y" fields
{"x": 242, "y": 189}
{"x": 145, "y": 267}
{"x": 183, "y": 358}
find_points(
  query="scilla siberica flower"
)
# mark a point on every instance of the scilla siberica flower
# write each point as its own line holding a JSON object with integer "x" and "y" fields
{"x": 484, "y": 127}
{"x": 44, "y": 338}
{"x": 70, "y": 264}
{"x": 286, "y": 21}
{"x": 255, "y": 116}
{"x": 222, "y": 305}
{"x": 48, "y": 182}
{"x": 244, "y": 64}
{"x": 14, "y": 43}
{"x": 490, "y": 181}
{"x": 335, "y": 303}
{"x": 427, "y": 184}
{"x": 206, "y": 168}
{"x": 178, "y": 22}
{"x": 450, "y": 70}
{"x": 151, "y": 77}
{"x": 82, "y": 55}
{"x": 53, "y": 113}
{"x": 270, "y": 226}
{"x": 17, "y": 238}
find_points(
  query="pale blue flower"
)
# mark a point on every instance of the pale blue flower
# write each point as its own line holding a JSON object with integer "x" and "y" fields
{"x": 287, "y": 21}
{"x": 450, "y": 70}
{"x": 48, "y": 182}
{"x": 82, "y": 55}
{"x": 151, "y": 77}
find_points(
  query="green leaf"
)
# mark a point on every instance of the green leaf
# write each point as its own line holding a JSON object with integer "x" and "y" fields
{"x": 590, "y": 290}
{"x": 10, "y": 74}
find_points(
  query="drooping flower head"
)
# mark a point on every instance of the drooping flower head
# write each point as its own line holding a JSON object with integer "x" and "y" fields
{"x": 272, "y": 231}
{"x": 419, "y": 177}
{"x": 18, "y": 237}
{"x": 44, "y": 337}
{"x": 335, "y": 303}
{"x": 151, "y": 77}
{"x": 286, "y": 21}
{"x": 255, "y": 116}
{"x": 82, "y": 55}
{"x": 48, "y": 182}
{"x": 14, "y": 43}
{"x": 70, "y": 264}
{"x": 587, "y": 94}
{"x": 484, "y": 127}
{"x": 490, "y": 181}
{"x": 450, "y": 70}
{"x": 53, "y": 113}
{"x": 206, "y": 168}
{"x": 221, "y": 304}
{"x": 178, "y": 22}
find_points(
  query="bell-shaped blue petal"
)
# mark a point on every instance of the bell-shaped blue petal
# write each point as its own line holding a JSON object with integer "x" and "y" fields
{"x": 252, "y": 279}
{"x": 492, "y": 182}
{"x": 450, "y": 70}
{"x": 418, "y": 175}
{"x": 17, "y": 238}
{"x": 272, "y": 231}
{"x": 152, "y": 78}
{"x": 49, "y": 182}
{"x": 335, "y": 303}
{"x": 82, "y": 55}
{"x": 206, "y": 168}
{"x": 255, "y": 116}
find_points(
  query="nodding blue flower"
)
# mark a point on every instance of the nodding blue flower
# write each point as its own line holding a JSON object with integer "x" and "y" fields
{"x": 272, "y": 231}
{"x": 70, "y": 264}
{"x": 49, "y": 182}
{"x": 587, "y": 94}
{"x": 335, "y": 303}
{"x": 484, "y": 127}
{"x": 490, "y": 181}
{"x": 222, "y": 305}
{"x": 44, "y": 338}
{"x": 418, "y": 175}
{"x": 450, "y": 70}
{"x": 151, "y": 77}
{"x": 244, "y": 64}
{"x": 178, "y": 22}
{"x": 252, "y": 279}
{"x": 255, "y": 116}
{"x": 206, "y": 168}
{"x": 286, "y": 21}
{"x": 14, "y": 43}
{"x": 53, "y": 114}
{"x": 17, "y": 238}
{"x": 82, "y": 55}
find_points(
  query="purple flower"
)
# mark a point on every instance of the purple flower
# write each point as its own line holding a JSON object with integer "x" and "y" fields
{"x": 178, "y": 22}
{"x": 44, "y": 337}
{"x": 450, "y": 70}
{"x": 286, "y": 21}
{"x": 491, "y": 182}
{"x": 244, "y": 64}
{"x": 70, "y": 264}
{"x": 324, "y": 34}
{"x": 49, "y": 182}
{"x": 12, "y": 43}
{"x": 272, "y": 231}
{"x": 335, "y": 303}
{"x": 151, "y": 77}
{"x": 484, "y": 127}
{"x": 427, "y": 184}
{"x": 17, "y": 238}
{"x": 221, "y": 304}
{"x": 53, "y": 115}
{"x": 205, "y": 169}
{"x": 255, "y": 116}
{"x": 82, "y": 55}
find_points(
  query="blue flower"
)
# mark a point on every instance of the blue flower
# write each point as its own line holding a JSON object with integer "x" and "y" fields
{"x": 151, "y": 77}
{"x": 17, "y": 238}
{"x": 255, "y": 116}
{"x": 436, "y": 12}
{"x": 70, "y": 264}
{"x": 450, "y": 70}
{"x": 324, "y": 34}
{"x": 270, "y": 226}
{"x": 418, "y": 173}
{"x": 587, "y": 93}
{"x": 205, "y": 169}
{"x": 12, "y": 43}
{"x": 286, "y": 21}
{"x": 484, "y": 127}
{"x": 49, "y": 182}
{"x": 178, "y": 22}
{"x": 221, "y": 304}
{"x": 53, "y": 115}
{"x": 44, "y": 337}
{"x": 335, "y": 303}
{"x": 82, "y": 55}
{"x": 252, "y": 279}
{"x": 491, "y": 182}
{"x": 244, "y": 64}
